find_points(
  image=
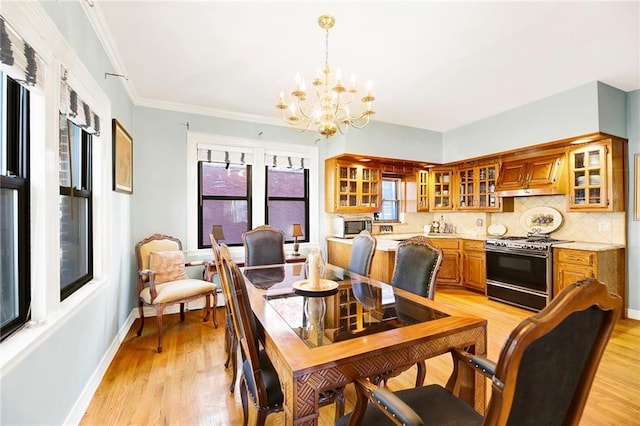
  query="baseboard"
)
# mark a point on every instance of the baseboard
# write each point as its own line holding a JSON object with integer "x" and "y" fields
{"x": 81, "y": 405}
{"x": 633, "y": 314}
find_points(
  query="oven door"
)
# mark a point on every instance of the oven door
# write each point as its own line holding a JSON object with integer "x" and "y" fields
{"x": 530, "y": 270}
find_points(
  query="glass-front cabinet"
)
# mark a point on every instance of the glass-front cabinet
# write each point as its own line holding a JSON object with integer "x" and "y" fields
{"x": 351, "y": 187}
{"x": 596, "y": 174}
{"x": 423, "y": 191}
{"x": 441, "y": 189}
{"x": 476, "y": 188}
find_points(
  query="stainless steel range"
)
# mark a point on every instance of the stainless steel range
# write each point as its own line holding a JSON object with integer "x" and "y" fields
{"x": 520, "y": 270}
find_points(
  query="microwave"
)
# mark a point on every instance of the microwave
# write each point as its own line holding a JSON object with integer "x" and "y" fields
{"x": 344, "y": 227}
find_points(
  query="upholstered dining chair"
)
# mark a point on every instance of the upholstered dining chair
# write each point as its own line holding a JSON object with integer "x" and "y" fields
{"x": 259, "y": 379}
{"x": 362, "y": 250}
{"x": 263, "y": 245}
{"x": 162, "y": 280}
{"x": 416, "y": 270}
{"x": 542, "y": 377}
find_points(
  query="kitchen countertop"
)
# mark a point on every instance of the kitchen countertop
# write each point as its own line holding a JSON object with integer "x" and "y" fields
{"x": 389, "y": 242}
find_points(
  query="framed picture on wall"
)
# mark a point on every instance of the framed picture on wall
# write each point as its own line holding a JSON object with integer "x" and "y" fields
{"x": 122, "y": 159}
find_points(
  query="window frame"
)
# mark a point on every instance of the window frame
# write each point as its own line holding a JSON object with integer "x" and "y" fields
{"x": 84, "y": 192}
{"x": 397, "y": 181}
{"x": 16, "y": 126}
{"x": 304, "y": 198}
{"x": 201, "y": 198}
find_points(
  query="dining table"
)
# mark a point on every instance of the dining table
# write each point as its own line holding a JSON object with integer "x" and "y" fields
{"x": 351, "y": 327}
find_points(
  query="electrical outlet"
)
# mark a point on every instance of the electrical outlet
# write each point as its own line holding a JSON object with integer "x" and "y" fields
{"x": 478, "y": 222}
{"x": 604, "y": 226}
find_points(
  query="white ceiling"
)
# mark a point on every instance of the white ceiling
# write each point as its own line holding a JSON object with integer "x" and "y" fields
{"x": 433, "y": 65}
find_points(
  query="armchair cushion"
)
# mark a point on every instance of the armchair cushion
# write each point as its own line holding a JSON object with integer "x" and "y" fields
{"x": 177, "y": 290}
{"x": 167, "y": 265}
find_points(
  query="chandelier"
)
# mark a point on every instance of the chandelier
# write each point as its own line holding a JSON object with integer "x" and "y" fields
{"x": 328, "y": 106}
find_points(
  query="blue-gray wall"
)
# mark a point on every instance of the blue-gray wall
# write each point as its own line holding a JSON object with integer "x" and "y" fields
{"x": 633, "y": 229}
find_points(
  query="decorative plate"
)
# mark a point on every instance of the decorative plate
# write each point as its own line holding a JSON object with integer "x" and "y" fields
{"x": 327, "y": 288}
{"x": 497, "y": 229}
{"x": 541, "y": 220}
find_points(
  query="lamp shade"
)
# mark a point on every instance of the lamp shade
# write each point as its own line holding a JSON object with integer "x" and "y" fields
{"x": 297, "y": 230}
{"x": 218, "y": 233}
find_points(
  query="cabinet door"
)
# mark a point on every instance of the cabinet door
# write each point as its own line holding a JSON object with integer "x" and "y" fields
{"x": 474, "y": 270}
{"x": 588, "y": 178}
{"x": 567, "y": 274}
{"x": 512, "y": 175}
{"x": 441, "y": 189}
{"x": 423, "y": 191}
{"x": 541, "y": 172}
{"x": 370, "y": 188}
{"x": 487, "y": 199}
{"x": 450, "y": 268}
{"x": 467, "y": 188}
{"x": 347, "y": 187}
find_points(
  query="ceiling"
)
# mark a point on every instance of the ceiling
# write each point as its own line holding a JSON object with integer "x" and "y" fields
{"x": 433, "y": 65}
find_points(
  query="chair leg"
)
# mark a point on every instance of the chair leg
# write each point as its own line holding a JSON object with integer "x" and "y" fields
{"x": 141, "y": 311}
{"x": 215, "y": 308}
{"x": 422, "y": 373}
{"x": 234, "y": 363}
{"x": 207, "y": 311}
{"x": 339, "y": 403}
{"x": 182, "y": 312}
{"x": 159, "y": 313}
{"x": 243, "y": 398}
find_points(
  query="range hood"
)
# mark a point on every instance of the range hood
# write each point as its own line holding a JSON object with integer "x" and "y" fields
{"x": 533, "y": 176}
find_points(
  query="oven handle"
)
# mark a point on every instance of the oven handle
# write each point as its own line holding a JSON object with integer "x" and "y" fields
{"x": 517, "y": 252}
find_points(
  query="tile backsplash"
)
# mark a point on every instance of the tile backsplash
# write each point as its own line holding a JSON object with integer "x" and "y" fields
{"x": 576, "y": 226}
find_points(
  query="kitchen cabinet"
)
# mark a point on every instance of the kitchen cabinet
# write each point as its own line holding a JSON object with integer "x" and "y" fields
{"x": 423, "y": 190}
{"x": 441, "y": 189}
{"x": 596, "y": 176}
{"x": 474, "y": 274}
{"x": 532, "y": 176}
{"x": 382, "y": 264}
{"x": 608, "y": 266}
{"x": 351, "y": 187}
{"x": 449, "y": 275}
{"x": 476, "y": 189}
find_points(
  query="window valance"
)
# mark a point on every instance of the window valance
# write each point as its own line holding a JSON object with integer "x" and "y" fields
{"x": 19, "y": 60}
{"x": 220, "y": 155}
{"x": 78, "y": 111}
{"x": 273, "y": 159}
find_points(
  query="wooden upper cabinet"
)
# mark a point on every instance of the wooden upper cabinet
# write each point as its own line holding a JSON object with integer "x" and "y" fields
{"x": 423, "y": 190}
{"x": 441, "y": 189}
{"x": 351, "y": 187}
{"x": 532, "y": 176}
{"x": 476, "y": 188}
{"x": 596, "y": 176}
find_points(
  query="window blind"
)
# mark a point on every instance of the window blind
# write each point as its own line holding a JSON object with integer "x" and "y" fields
{"x": 286, "y": 161}
{"x": 219, "y": 155}
{"x": 19, "y": 60}
{"x": 78, "y": 111}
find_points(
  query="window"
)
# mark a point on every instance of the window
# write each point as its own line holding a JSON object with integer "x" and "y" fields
{"x": 389, "y": 207}
{"x": 224, "y": 194}
{"x": 15, "y": 295}
{"x": 76, "y": 253}
{"x": 287, "y": 199}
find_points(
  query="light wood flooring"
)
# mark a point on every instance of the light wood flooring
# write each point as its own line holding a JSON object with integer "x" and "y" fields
{"x": 187, "y": 383}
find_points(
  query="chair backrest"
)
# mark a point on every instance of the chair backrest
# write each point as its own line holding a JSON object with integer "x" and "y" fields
{"x": 417, "y": 265}
{"x": 546, "y": 368}
{"x": 153, "y": 243}
{"x": 362, "y": 250}
{"x": 245, "y": 326}
{"x": 263, "y": 245}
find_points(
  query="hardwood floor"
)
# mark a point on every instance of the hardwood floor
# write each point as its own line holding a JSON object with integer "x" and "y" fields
{"x": 187, "y": 383}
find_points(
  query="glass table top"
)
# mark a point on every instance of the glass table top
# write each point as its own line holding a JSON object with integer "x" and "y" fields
{"x": 360, "y": 307}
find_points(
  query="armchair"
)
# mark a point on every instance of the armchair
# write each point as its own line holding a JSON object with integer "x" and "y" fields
{"x": 162, "y": 280}
{"x": 543, "y": 375}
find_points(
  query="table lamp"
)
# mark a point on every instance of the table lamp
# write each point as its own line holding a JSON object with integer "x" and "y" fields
{"x": 297, "y": 232}
{"x": 218, "y": 233}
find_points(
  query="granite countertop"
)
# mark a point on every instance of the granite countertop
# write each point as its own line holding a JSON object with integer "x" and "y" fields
{"x": 389, "y": 242}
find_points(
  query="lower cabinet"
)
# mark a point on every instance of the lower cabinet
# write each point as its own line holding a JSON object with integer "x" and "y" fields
{"x": 607, "y": 266}
{"x": 449, "y": 275}
{"x": 474, "y": 273}
{"x": 382, "y": 264}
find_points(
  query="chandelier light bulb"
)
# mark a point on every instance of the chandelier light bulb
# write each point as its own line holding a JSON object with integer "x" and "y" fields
{"x": 329, "y": 103}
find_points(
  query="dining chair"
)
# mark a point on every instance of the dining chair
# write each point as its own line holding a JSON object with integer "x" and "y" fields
{"x": 162, "y": 280}
{"x": 259, "y": 379}
{"x": 542, "y": 377}
{"x": 230, "y": 340}
{"x": 362, "y": 250}
{"x": 416, "y": 270}
{"x": 263, "y": 245}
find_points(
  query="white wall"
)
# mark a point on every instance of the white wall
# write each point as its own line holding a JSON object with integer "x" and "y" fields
{"x": 633, "y": 237}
